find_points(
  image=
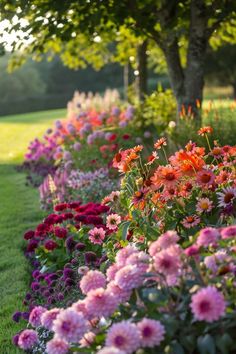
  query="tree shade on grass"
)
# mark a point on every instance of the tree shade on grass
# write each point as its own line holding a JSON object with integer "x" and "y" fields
{"x": 19, "y": 211}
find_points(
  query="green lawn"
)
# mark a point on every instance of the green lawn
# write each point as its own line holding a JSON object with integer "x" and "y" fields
{"x": 19, "y": 210}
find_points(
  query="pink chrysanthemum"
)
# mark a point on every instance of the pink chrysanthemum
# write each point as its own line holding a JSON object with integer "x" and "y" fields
{"x": 100, "y": 303}
{"x": 70, "y": 325}
{"x": 124, "y": 336}
{"x": 110, "y": 350}
{"x": 129, "y": 277}
{"x": 113, "y": 220}
{"x": 166, "y": 240}
{"x": 140, "y": 259}
{"x": 121, "y": 295}
{"x": 227, "y": 196}
{"x": 92, "y": 280}
{"x": 123, "y": 254}
{"x": 228, "y": 232}
{"x": 35, "y": 316}
{"x": 167, "y": 262}
{"x": 205, "y": 178}
{"x": 111, "y": 272}
{"x": 80, "y": 306}
{"x": 152, "y": 332}
{"x": 57, "y": 346}
{"x": 27, "y": 339}
{"x": 208, "y": 304}
{"x": 204, "y": 205}
{"x": 97, "y": 235}
{"x": 191, "y": 221}
{"x": 49, "y": 317}
{"x": 208, "y": 236}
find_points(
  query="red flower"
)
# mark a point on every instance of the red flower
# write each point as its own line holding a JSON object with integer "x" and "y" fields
{"x": 60, "y": 207}
{"x": 50, "y": 245}
{"x": 205, "y": 130}
{"x": 29, "y": 234}
{"x": 126, "y": 136}
{"x": 112, "y": 137}
{"x": 60, "y": 232}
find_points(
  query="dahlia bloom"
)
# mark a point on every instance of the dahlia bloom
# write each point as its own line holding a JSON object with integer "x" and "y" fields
{"x": 208, "y": 236}
{"x": 100, "y": 303}
{"x": 166, "y": 240}
{"x": 27, "y": 339}
{"x": 140, "y": 259}
{"x": 92, "y": 280}
{"x": 121, "y": 295}
{"x": 57, "y": 346}
{"x": 228, "y": 232}
{"x": 167, "y": 261}
{"x": 97, "y": 235}
{"x": 48, "y": 317}
{"x": 124, "y": 336}
{"x": 35, "y": 316}
{"x": 123, "y": 254}
{"x": 70, "y": 325}
{"x": 208, "y": 304}
{"x": 113, "y": 220}
{"x": 111, "y": 271}
{"x": 152, "y": 332}
{"x": 129, "y": 277}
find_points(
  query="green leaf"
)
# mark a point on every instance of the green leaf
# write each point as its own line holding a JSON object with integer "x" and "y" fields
{"x": 176, "y": 348}
{"x": 206, "y": 344}
{"x": 224, "y": 343}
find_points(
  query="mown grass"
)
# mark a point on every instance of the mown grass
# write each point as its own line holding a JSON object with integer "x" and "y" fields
{"x": 19, "y": 210}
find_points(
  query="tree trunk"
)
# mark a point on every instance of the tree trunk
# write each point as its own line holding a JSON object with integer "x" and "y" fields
{"x": 142, "y": 69}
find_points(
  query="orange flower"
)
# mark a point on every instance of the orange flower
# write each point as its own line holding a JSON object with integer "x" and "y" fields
{"x": 166, "y": 176}
{"x": 205, "y": 130}
{"x": 159, "y": 143}
{"x": 187, "y": 162}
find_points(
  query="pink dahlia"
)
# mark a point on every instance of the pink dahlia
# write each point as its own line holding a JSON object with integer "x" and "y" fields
{"x": 57, "y": 346}
{"x": 113, "y": 220}
{"x": 166, "y": 240}
{"x": 228, "y": 232}
{"x": 124, "y": 336}
{"x": 80, "y": 306}
{"x": 167, "y": 262}
{"x": 123, "y": 254}
{"x": 121, "y": 295}
{"x": 140, "y": 259}
{"x": 152, "y": 332}
{"x": 111, "y": 272}
{"x": 48, "y": 317}
{"x": 100, "y": 303}
{"x": 110, "y": 350}
{"x": 208, "y": 236}
{"x": 129, "y": 277}
{"x": 35, "y": 316}
{"x": 27, "y": 339}
{"x": 208, "y": 304}
{"x": 92, "y": 280}
{"x": 70, "y": 325}
{"x": 97, "y": 235}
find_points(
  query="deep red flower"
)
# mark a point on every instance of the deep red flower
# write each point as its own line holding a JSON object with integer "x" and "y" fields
{"x": 32, "y": 245}
{"x": 126, "y": 136}
{"x": 61, "y": 207}
{"x": 29, "y": 234}
{"x": 112, "y": 137}
{"x": 60, "y": 232}
{"x": 50, "y": 245}
{"x": 94, "y": 220}
{"x": 74, "y": 205}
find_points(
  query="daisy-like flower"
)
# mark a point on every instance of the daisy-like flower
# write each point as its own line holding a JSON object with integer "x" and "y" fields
{"x": 100, "y": 303}
{"x": 113, "y": 220}
{"x": 208, "y": 304}
{"x": 152, "y": 332}
{"x": 167, "y": 262}
{"x": 57, "y": 346}
{"x": 49, "y": 317}
{"x": 205, "y": 178}
{"x": 159, "y": 143}
{"x": 217, "y": 152}
{"x": 152, "y": 158}
{"x": 190, "y": 221}
{"x": 139, "y": 198}
{"x": 114, "y": 196}
{"x": 227, "y": 196}
{"x": 208, "y": 236}
{"x": 97, "y": 235}
{"x": 204, "y": 205}
{"x": 92, "y": 280}
{"x": 205, "y": 130}
{"x": 124, "y": 336}
{"x": 166, "y": 176}
{"x": 27, "y": 339}
{"x": 70, "y": 325}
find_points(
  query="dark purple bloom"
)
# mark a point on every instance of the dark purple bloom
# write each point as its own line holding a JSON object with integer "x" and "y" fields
{"x": 16, "y": 316}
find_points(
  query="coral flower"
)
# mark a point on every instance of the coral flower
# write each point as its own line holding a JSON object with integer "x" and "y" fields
{"x": 113, "y": 220}
{"x": 205, "y": 130}
{"x": 204, "y": 205}
{"x": 205, "y": 178}
{"x": 97, "y": 235}
{"x": 124, "y": 336}
{"x": 159, "y": 143}
{"x": 166, "y": 176}
{"x": 191, "y": 221}
{"x": 208, "y": 304}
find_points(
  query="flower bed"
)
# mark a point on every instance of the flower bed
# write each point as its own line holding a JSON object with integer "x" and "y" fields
{"x": 150, "y": 267}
